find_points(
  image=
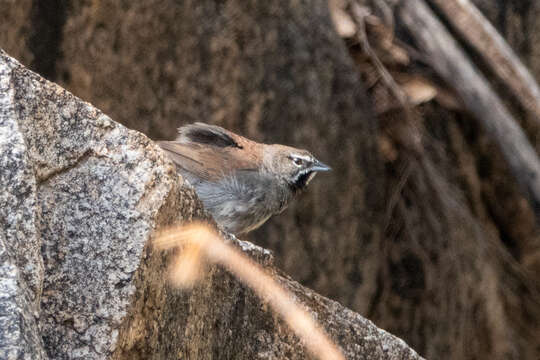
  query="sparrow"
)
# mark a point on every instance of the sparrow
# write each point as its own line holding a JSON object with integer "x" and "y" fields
{"x": 241, "y": 183}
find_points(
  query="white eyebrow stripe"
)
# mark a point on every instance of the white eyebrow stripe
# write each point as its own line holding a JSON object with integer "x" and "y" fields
{"x": 303, "y": 157}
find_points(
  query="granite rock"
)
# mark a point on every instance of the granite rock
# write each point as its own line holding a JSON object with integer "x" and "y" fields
{"x": 21, "y": 265}
{"x": 81, "y": 197}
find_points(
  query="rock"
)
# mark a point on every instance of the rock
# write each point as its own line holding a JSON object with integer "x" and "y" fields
{"x": 222, "y": 319}
{"x": 21, "y": 265}
{"x": 274, "y": 71}
{"x": 81, "y": 197}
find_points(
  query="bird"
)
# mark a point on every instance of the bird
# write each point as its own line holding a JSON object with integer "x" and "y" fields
{"x": 242, "y": 183}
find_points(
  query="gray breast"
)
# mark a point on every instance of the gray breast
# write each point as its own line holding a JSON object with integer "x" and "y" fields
{"x": 242, "y": 202}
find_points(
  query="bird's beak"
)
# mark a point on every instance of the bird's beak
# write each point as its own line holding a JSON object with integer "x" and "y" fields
{"x": 319, "y": 166}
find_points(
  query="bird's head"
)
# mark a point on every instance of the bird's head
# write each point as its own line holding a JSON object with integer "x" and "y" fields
{"x": 296, "y": 167}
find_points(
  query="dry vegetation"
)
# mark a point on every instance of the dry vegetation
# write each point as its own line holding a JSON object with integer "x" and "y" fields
{"x": 198, "y": 246}
{"x": 461, "y": 207}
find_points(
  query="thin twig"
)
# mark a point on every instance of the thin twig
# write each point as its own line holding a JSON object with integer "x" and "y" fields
{"x": 396, "y": 194}
{"x": 359, "y": 14}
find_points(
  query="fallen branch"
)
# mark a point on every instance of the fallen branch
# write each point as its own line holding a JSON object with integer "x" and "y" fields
{"x": 451, "y": 63}
{"x": 478, "y": 32}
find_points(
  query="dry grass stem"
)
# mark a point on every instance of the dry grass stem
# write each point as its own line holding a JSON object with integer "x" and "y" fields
{"x": 201, "y": 245}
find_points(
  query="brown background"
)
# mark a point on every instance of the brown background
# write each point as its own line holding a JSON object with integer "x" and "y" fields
{"x": 419, "y": 227}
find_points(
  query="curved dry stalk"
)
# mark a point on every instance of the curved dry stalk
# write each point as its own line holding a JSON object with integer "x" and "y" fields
{"x": 200, "y": 244}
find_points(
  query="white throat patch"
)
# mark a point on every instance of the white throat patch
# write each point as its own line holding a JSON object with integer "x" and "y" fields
{"x": 304, "y": 172}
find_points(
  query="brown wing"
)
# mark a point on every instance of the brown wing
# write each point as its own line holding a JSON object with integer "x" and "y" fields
{"x": 210, "y": 152}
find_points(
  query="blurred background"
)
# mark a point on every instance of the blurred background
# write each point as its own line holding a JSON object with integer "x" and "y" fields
{"x": 423, "y": 226}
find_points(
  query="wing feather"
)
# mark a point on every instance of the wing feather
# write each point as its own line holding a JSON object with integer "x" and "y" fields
{"x": 205, "y": 134}
{"x": 207, "y": 162}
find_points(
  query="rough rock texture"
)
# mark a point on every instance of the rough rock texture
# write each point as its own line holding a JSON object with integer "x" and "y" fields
{"x": 21, "y": 265}
{"x": 86, "y": 192}
{"x": 221, "y": 319}
{"x": 439, "y": 259}
{"x": 99, "y": 188}
{"x": 89, "y": 193}
{"x": 275, "y": 71}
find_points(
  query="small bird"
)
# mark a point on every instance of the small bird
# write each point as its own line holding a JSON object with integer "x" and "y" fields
{"x": 242, "y": 183}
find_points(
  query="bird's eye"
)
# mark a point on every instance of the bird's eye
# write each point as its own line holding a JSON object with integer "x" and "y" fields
{"x": 297, "y": 161}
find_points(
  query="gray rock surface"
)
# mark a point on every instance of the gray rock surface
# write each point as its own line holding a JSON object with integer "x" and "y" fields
{"x": 80, "y": 198}
{"x": 21, "y": 265}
